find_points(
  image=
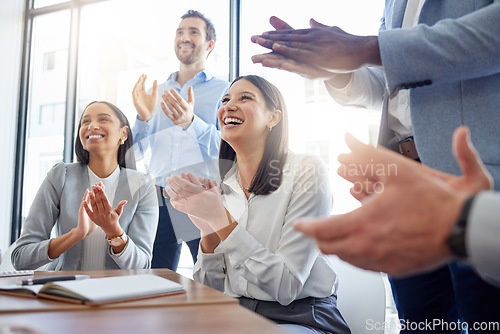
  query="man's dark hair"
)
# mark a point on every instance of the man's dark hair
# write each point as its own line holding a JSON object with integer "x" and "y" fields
{"x": 210, "y": 29}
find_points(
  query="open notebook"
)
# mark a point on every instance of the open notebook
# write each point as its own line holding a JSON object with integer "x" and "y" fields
{"x": 98, "y": 291}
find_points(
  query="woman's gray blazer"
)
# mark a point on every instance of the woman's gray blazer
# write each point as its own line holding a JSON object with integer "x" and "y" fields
{"x": 56, "y": 207}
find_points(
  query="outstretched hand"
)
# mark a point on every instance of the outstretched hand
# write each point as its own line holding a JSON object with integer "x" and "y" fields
{"x": 475, "y": 177}
{"x": 144, "y": 103}
{"x": 180, "y": 111}
{"x": 323, "y": 47}
{"x": 404, "y": 221}
{"x": 278, "y": 61}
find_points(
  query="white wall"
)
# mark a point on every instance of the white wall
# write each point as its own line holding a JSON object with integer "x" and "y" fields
{"x": 11, "y": 34}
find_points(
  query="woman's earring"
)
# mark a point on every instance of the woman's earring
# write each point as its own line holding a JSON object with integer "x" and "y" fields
{"x": 269, "y": 128}
{"x": 122, "y": 141}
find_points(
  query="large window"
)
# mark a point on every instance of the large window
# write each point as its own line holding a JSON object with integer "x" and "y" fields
{"x": 44, "y": 3}
{"x": 111, "y": 44}
{"x": 46, "y": 100}
{"x": 317, "y": 123}
{"x": 120, "y": 40}
{"x": 113, "y": 53}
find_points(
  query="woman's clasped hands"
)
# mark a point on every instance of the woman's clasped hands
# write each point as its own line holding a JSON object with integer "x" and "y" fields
{"x": 200, "y": 199}
{"x": 95, "y": 210}
{"x": 85, "y": 225}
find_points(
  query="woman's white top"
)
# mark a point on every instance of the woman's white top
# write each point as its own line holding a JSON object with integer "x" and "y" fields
{"x": 264, "y": 257}
{"x": 95, "y": 245}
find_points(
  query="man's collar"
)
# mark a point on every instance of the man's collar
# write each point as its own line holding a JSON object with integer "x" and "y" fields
{"x": 173, "y": 76}
{"x": 207, "y": 74}
{"x": 204, "y": 75}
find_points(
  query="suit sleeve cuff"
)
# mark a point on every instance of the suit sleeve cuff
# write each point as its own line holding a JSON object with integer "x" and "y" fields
{"x": 198, "y": 126}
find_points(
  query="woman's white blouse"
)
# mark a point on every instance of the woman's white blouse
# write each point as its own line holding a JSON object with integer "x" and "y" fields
{"x": 264, "y": 257}
{"x": 95, "y": 245}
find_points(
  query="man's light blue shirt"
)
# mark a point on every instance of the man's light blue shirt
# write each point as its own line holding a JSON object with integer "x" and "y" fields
{"x": 173, "y": 149}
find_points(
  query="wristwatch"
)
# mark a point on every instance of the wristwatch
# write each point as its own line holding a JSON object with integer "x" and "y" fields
{"x": 119, "y": 240}
{"x": 456, "y": 239}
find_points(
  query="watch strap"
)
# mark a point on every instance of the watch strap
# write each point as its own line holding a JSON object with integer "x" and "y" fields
{"x": 123, "y": 237}
{"x": 456, "y": 240}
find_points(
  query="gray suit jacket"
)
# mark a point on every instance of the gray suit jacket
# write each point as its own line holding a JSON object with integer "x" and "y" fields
{"x": 56, "y": 207}
{"x": 451, "y": 64}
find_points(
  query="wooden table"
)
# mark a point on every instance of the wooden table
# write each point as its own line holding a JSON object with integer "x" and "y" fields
{"x": 199, "y": 310}
{"x": 219, "y": 318}
{"x": 196, "y": 294}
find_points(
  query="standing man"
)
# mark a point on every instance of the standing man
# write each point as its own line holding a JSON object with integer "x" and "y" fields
{"x": 448, "y": 60}
{"x": 179, "y": 133}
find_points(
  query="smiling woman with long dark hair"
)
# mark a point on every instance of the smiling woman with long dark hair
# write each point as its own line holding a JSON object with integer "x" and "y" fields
{"x": 103, "y": 212}
{"x": 249, "y": 248}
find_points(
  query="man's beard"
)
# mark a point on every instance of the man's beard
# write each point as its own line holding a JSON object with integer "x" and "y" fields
{"x": 193, "y": 57}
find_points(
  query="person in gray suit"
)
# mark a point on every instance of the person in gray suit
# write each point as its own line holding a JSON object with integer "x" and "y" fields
{"x": 113, "y": 226}
{"x": 448, "y": 63}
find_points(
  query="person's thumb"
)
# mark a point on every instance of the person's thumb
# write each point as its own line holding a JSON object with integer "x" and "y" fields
{"x": 468, "y": 158}
{"x": 190, "y": 99}
{"x": 119, "y": 208}
{"x": 315, "y": 24}
{"x": 155, "y": 89}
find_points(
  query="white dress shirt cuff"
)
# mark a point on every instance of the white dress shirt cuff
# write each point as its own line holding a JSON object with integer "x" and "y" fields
{"x": 341, "y": 95}
{"x": 211, "y": 261}
{"x": 238, "y": 246}
{"x": 112, "y": 252}
{"x": 140, "y": 124}
{"x": 198, "y": 125}
{"x": 140, "y": 128}
{"x": 483, "y": 232}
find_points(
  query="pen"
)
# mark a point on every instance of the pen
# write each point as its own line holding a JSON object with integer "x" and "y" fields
{"x": 43, "y": 280}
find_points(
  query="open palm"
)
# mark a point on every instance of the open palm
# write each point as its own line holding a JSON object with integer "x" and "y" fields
{"x": 85, "y": 225}
{"x": 145, "y": 103}
{"x": 203, "y": 203}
